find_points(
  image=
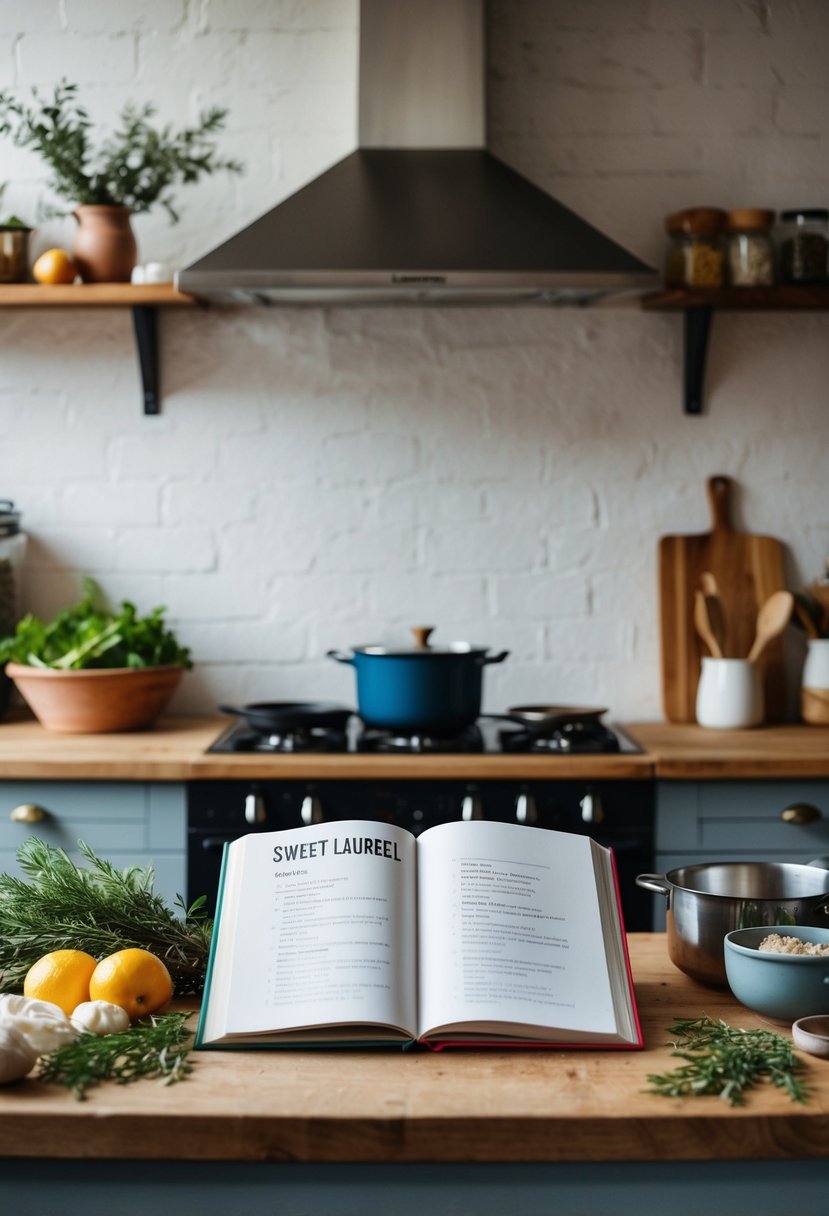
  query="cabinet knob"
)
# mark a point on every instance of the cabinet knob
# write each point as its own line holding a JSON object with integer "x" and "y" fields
{"x": 28, "y": 812}
{"x": 255, "y": 809}
{"x": 800, "y": 812}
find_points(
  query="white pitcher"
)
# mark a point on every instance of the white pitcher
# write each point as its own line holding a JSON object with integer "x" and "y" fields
{"x": 814, "y": 693}
{"x": 729, "y": 694}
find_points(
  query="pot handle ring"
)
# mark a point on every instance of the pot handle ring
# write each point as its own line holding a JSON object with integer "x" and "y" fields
{"x": 653, "y": 882}
{"x": 339, "y": 656}
{"x": 494, "y": 658}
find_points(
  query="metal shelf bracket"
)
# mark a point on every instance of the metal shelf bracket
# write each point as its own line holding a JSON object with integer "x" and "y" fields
{"x": 696, "y": 327}
{"x": 145, "y": 323}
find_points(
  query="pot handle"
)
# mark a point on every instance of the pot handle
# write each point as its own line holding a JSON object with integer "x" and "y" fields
{"x": 339, "y": 656}
{"x": 653, "y": 882}
{"x": 494, "y": 658}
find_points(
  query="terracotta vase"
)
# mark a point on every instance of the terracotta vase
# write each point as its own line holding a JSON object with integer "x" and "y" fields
{"x": 104, "y": 249}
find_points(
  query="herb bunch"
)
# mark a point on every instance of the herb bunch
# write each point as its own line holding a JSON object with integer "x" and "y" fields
{"x": 154, "y": 1047}
{"x": 88, "y": 636}
{"x": 136, "y": 166}
{"x": 99, "y": 909}
{"x": 726, "y": 1061}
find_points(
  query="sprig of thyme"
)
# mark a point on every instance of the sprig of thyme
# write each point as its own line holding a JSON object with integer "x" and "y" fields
{"x": 154, "y": 1047}
{"x": 99, "y": 909}
{"x": 724, "y": 1060}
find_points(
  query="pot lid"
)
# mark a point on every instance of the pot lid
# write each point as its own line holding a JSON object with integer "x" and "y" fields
{"x": 422, "y": 646}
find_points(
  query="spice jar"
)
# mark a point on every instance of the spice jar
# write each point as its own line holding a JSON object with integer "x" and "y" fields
{"x": 804, "y": 246}
{"x": 696, "y": 250}
{"x": 749, "y": 247}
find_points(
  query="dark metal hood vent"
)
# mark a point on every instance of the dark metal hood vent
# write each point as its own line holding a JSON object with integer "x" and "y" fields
{"x": 421, "y": 212}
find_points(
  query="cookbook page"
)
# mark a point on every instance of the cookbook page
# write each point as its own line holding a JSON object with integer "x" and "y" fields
{"x": 511, "y": 933}
{"x": 320, "y": 930}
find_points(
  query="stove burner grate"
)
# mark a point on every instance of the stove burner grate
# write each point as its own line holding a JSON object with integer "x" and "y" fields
{"x": 570, "y": 738}
{"x": 373, "y": 739}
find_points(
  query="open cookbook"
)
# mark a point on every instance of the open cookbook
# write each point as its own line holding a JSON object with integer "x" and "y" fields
{"x": 359, "y": 934}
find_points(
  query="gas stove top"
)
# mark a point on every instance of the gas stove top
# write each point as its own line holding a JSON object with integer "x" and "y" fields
{"x": 489, "y": 736}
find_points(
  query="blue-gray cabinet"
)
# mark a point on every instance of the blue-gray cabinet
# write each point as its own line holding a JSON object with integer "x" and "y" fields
{"x": 764, "y": 820}
{"x": 125, "y": 822}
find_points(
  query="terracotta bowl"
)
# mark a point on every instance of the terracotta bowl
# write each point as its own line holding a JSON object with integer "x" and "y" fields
{"x": 98, "y": 700}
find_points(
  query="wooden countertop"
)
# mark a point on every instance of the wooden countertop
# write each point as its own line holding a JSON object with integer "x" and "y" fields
{"x": 692, "y": 752}
{"x": 531, "y": 1106}
{"x": 176, "y": 750}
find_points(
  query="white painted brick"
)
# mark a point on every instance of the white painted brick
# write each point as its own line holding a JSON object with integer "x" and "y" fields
{"x": 88, "y": 550}
{"x": 104, "y": 17}
{"x": 203, "y": 597}
{"x": 542, "y": 596}
{"x": 266, "y": 642}
{"x": 94, "y": 60}
{"x": 369, "y": 549}
{"x": 368, "y": 457}
{"x": 315, "y": 597}
{"x": 273, "y": 550}
{"x": 163, "y": 549}
{"x": 481, "y": 547}
{"x": 422, "y": 595}
{"x": 120, "y": 505}
{"x": 283, "y": 14}
{"x": 171, "y": 454}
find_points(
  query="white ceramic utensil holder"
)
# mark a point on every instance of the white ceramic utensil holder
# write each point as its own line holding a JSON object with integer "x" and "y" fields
{"x": 729, "y": 694}
{"x": 814, "y": 694}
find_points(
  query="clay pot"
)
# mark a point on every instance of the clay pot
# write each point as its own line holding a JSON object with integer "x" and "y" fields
{"x": 104, "y": 249}
{"x": 95, "y": 700}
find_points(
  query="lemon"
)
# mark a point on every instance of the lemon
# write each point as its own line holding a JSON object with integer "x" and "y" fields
{"x": 55, "y": 266}
{"x": 61, "y": 977}
{"x": 135, "y": 979}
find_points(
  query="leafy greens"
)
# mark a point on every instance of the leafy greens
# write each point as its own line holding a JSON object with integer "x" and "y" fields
{"x": 87, "y": 636}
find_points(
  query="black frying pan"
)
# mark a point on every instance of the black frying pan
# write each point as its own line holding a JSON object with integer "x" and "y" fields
{"x": 272, "y": 717}
{"x": 544, "y": 719}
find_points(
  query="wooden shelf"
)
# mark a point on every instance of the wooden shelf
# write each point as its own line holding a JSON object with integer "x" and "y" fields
{"x": 143, "y": 300}
{"x": 698, "y": 306}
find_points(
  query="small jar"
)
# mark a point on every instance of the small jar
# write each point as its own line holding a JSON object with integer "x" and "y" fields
{"x": 749, "y": 248}
{"x": 804, "y": 246}
{"x": 12, "y": 551}
{"x": 696, "y": 248}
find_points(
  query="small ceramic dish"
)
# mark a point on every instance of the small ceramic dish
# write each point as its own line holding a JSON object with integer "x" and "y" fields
{"x": 782, "y": 986}
{"x": 812, "y": 1034}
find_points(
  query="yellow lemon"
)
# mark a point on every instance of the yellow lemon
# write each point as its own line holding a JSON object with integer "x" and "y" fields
{"x": 55, "y": 266}
{"x": 135, "y": 979}
{"x": 61, "y": 977}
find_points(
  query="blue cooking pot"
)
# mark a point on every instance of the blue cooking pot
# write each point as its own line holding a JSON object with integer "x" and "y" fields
{"x": 429, "y": 689}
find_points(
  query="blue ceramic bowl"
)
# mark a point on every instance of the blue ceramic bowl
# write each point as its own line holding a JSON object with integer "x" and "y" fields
{"x": 784, "y": 986}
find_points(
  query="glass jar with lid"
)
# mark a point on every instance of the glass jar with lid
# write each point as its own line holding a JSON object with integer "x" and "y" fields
{"x": 749, "y": 247}
{"x": 696, "y": 248}
{"x": 804, "y": 245}
{"x": 12, "y": 551}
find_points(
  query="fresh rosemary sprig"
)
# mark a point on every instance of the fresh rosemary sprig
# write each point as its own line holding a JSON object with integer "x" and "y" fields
{"x": 154, "y": 1047}
{"x": 96, "y": 908}
{"x": 724, "y": 1060}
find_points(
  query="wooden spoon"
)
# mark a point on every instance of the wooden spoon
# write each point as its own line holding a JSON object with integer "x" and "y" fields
{"x": 703, "y": 625}
{"x": 808, "y": 614}
{"x": 716, "y": 611}
{"x": 772, "y": 619}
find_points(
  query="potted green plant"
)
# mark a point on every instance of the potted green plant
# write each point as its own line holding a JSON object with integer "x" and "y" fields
{"x": 135, "y": 168}
{"x": 89, "y": 670}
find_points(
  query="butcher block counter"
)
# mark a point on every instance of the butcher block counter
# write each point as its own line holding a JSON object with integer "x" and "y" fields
{"x": 334, "y": 1109}
{"x": 176, "y": 750}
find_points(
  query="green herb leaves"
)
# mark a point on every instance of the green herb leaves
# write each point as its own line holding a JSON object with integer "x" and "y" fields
{"x": 724, "y": 1060}
{"x": 99, "y": 909}
{"x": 86, "y": 636}
{"x": 135, "y": 167}
{"x": 154, "y": 1047}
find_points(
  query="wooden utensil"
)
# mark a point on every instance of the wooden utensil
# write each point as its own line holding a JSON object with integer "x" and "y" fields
{"x": 704, "y": 626}
{"x": 808, "y": 614}
{"x": 772, "y": 619}
{"x": 714, "y": 609}
{"x": 746, "y": 569}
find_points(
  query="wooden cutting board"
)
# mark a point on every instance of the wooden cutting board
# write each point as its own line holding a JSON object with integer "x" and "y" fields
{"x": 748, "y": 568}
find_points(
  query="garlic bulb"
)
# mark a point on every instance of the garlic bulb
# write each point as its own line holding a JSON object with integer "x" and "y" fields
{"x": 17, "y": 1057}
{"x": 100, "y": 1017}
{"x": 43, "y": 1025}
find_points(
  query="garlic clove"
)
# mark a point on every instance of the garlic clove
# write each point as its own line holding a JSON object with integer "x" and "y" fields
{"x": 17, "y": 1056}
{"x": 43, "y": 1025}
{"x": 100, "y": 1017}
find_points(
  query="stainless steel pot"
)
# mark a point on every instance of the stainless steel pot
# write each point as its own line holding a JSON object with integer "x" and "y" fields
{"x": 707, "y": 901}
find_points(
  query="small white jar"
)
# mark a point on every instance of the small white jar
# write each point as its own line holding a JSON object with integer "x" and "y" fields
{"x": 814, "y": 693}
{"x": 729, "y": 694}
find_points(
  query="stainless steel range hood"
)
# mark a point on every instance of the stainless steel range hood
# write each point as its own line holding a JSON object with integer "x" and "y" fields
{"x": 420, "y": 212}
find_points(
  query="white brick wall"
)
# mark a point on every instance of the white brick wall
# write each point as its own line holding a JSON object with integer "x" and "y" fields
{"x": 325, "y": 477}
